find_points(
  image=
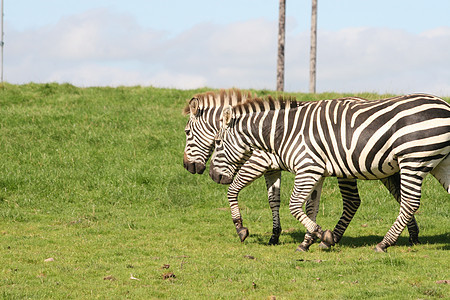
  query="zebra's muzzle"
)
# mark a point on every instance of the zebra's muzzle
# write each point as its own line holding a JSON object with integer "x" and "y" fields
{"x": 193, "y": 167}
{"x": 219, "y": 178}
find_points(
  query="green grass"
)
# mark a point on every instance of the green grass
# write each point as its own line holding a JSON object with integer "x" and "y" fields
{"x": 93, "y": 178}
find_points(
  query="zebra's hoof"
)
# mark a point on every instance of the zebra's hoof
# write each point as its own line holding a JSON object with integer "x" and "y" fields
{"x": 414, "y": 240}
{"x": 324, "y": 246}
{"x": 274, "y": 240}
{"x": 328, "y": 238}
{"x": 380, "y": 248}
{"x": 243, "y": 233}
{"x": 302, "y": 248}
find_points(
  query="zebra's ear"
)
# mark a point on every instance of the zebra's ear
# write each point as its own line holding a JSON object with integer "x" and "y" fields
{"x": 226, "y": 115}
{"x": 193, "y": 106}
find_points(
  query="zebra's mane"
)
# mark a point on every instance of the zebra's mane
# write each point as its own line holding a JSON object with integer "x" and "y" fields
{"x": 219, "y": 99}
{"x": 281, "y": 102}
{"x": 267, "y": 103}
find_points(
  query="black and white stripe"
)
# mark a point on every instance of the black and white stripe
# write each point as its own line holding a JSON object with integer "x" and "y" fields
{"x": 399, "y": 140}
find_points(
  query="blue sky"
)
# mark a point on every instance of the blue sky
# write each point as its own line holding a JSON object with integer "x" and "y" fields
{"x": 376, "y": 46}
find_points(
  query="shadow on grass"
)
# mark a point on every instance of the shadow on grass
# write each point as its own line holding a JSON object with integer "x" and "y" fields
{"x": 359, "y": 241}
{"x": 362, "y": 241}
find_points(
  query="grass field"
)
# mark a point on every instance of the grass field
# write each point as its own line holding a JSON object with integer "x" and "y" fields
{"x": 95, "y": 203}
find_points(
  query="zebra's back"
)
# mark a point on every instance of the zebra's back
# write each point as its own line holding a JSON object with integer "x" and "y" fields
{"x": 362, "y": 139}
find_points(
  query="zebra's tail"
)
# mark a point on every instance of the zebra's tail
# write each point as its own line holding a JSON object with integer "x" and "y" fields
{"x": 442, "y": 173}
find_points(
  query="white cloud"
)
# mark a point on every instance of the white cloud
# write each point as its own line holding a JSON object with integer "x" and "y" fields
{"x": 91, "y": 74}
{"x": 177, "y": 80}
{"x": 100, "y": 47}
{"x": 384, "y": 60}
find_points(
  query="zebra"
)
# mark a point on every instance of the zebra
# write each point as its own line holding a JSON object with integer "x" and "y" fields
{"x": 204, "y": 122}
{"x": 403, "y": 138}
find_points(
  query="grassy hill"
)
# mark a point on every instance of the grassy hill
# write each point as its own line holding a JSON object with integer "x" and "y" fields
{"x": 95, "y": 203}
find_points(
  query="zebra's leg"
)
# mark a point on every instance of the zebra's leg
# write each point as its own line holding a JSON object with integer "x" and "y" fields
{"x": 312, "y": 208}
{"x": 273, "y": 181}
{"x": 392, "y": 183}
{"x": 246, "y": 175}
{"x": 233, "y": 190}
{"x": 410, "y": 190}
{"x": 351, "y": 202}
{"x": 305, "y": 183}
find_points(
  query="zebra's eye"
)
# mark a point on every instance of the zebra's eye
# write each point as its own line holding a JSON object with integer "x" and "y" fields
{"x": 218, "y": 142}
{"x": 187, "y": 131}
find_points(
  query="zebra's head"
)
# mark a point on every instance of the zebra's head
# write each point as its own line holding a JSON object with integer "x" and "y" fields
{"x": 230, "y": 152}
{"x": 199, "y": 139}
{"x": 205, "y": 111}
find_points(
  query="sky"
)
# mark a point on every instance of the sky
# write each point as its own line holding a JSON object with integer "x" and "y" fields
{"x": 383, "y": 46}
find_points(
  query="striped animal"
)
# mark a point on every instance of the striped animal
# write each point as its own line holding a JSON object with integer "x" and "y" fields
{"x": 205, "y": 111}
{"x": 402, "y": 138}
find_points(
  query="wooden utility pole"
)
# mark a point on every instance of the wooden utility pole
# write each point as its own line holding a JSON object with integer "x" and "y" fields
{"x": 1, "y": 41}
{"x": 281, "y": 40}
{"x": 313, "y": 53}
